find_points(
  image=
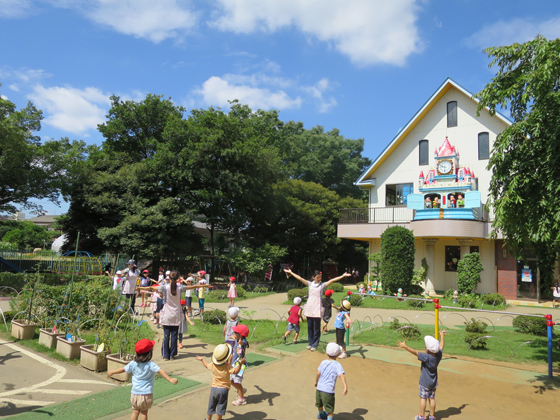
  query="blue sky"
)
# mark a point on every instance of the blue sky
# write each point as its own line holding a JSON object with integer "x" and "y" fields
{"x": 362, "y": 66}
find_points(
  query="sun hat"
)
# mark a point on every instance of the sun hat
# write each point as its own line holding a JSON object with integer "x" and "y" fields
{"x": 329, "y": 292}
{"x": 202, "y": 281}
{"x": 183, "y": 302}
{"x": 202, "y": 273}
{"x": 167, "y": 272}
{"x": 297, "y": 301}
{"x": 333, "y": 349}
{"x": 241, "y": 329}
{"x": 144, "y": 346}
{"x": 131, "y": 262}
{"x": 221, "y": 353}
{"x": 432, "y": 345}
{"x": 233, "y": 311}
{"x": 119, "y": 272}
{"x": 232, "y": 279}
{"x": 346, "y": 304}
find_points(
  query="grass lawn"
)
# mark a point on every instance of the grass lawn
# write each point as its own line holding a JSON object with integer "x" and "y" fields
{"x": 223, "y": 296}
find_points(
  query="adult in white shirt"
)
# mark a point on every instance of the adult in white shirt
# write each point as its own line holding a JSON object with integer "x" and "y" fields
{"x": 129, "y": 281}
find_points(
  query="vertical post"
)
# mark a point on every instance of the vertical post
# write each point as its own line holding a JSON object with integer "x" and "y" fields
{"x": 347, "y": 335}
{"x": 73, "y": 272}
{"x": 549, "y": 325}
{"x": 436, "y": 310}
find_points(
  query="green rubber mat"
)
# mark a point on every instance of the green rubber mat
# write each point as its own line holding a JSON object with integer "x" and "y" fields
{"x": 103, "y": 404}
{"x": 255, "y": 359}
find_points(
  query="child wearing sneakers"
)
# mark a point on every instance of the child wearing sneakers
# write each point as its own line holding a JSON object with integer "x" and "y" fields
{"x": 343, "y": 315}
{"x": 329, "y": 370}
{"x": 221, "y": 370}
{"x": 293, "y": 320}
{"x": 183, "y": 327}
{"x": 328, "y": 304}
{"x": 230, "y": 323}
{"x": 428, "y": 372}
{"x": 240, "y": 333}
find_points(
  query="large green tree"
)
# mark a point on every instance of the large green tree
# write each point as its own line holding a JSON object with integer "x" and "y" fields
{"x": 525, "y": 160}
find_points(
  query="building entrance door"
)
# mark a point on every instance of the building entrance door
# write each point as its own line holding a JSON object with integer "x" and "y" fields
{"x": 527, "y": 279}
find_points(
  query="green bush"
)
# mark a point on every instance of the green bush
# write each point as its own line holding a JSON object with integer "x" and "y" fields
{"x": 293, "y": 293}
{"x": 468, "y": 272}
{"x": 476, "y": 329}
{"x": 411, "y": 333}
{"x": 448, "y": 295}
{"x": 240, "y": 292}
{"x": 18, "y": 280}
{"x": 260, "y": 289}
{"x": 336, "y": 287}
{"x": 530, "y": 325}
{"x": 217, "y": 294}
{"x": 467, "y": 301}
{"x": 493, "y": 299}
{"x": 416, "y": 304}
{"x": 397, "y": 262}
{"x": 356, "y": 300}
{"x": 215, "y": 317}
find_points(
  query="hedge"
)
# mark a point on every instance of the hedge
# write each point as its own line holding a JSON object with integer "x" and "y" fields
{"x": 336, "y": 287}
{"x": 397, "y": 258}
{"x": 293, "y": 293}
{"x": 18, "y": 280}
{"x": 530, "y": 324}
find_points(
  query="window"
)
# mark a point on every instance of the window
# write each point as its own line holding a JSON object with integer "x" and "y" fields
{"x": 452, "y": 114}
{"x": 474, "y": 249}
{"x": 397, "y": 193}
{"x": 452, "y": 257}
{"x": 423, "y": 152}
{"x": 483, "y": 146}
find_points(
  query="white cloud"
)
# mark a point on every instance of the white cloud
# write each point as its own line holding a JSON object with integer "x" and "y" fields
{"x": 218, "y": 91}
{"x": 14, "y": 8}
{"x": 367, "y": 31}
{"x": 14, "y": 88}
{"x": 3, "y": 97}
{"x": 317, "y": 92}
{"x": 70, "y": 109}
{"x": 516, "y": 30}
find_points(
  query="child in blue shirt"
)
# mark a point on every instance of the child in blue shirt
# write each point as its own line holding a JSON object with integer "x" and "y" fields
{"x": 343, "y": 314}
{"x": 329, "y": 370}
{"x": 143, "y": 374}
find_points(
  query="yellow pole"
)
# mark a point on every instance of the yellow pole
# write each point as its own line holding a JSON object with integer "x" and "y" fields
{"x": 436, "y": 309}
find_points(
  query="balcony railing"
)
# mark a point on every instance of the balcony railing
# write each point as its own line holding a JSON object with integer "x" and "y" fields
{"x": 376, "y": 215}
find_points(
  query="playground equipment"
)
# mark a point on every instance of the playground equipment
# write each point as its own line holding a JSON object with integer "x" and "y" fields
{"x": 78, "y": 262}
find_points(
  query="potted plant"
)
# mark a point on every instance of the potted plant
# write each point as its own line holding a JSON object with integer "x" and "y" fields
{"x": 69, "y": 344}
{"x": 48, "y": 336}
{"x": 94, "y": 356}
{"x": 24, "y": 328}
{"x": 123, "y": 343}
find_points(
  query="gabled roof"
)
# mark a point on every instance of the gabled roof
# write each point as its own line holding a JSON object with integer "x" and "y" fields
{"x": 405, "y": 131}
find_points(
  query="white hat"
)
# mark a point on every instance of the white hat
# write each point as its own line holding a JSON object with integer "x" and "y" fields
{"x": 333, "y": 349}
{"x": 297, "y": 301}
{"x": 233, "y": 312}
{"x": 190, "y": 278}
{"x": 432, "y": 345}
{"x": 167, "y": 272}
{"x": 202, "y": 281}
{"x": 118, "y": 272}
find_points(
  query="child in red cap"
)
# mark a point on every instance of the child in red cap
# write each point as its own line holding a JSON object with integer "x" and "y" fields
{"x": 328, "y": 304}
{"x": 183, "y": 327}
{"x": 143, "y": 374}
{"x": 240, "y": 333}
{"x": 232, "y": 294}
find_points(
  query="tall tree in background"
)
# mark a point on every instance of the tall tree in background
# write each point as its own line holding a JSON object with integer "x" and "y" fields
{"x": 525, "y": 185}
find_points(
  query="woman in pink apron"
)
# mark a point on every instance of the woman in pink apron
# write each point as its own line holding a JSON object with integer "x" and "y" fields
{"x": 313, "y": 310}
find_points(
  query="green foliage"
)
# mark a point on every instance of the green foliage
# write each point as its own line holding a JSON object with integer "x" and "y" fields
{"x": 293, "y": 293}
{"x": 494, "y": 299}
{"x": 216, "y": 295}
{"x": 530, "y": 325}
{"x": 254, "y": 261}
{"x": 409, "y": 333}
{"x": 524, "y": 161}
{"x": 260, "y": 289}
{"x": 336, "y": 287}
{"x": 215, "y": 316}
{"x": 448, "y": 294}
{"x": 416, "y": 304}
{"x": 474, "y": 330}
{"x": 356, "y": 300}
{"x": 17, "y": 280}
{"x": 468, "y": 272}
{"x": 468, "y": 301}
{"x": 421, "y": 274}
{"x": 397, "y": 264}
{"x": 27, "y": 235}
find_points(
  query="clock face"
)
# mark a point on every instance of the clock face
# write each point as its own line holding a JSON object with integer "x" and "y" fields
{"x": 445, "y": 167}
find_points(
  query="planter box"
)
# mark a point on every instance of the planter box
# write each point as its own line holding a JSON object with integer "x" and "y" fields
{"x": 47, "y": 338}
{"x": 23, "y": 330}
{"x": 115, "y": 362}
{"x": 93, "y": 360}
{"x": 69, "y": 349}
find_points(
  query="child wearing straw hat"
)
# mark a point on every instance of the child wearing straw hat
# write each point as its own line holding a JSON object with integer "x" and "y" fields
{"x": 343, "y": 315}
{"x": 428, "y": 372}
{"x": 329, "y": 370}
{"x": 221, "y": 370}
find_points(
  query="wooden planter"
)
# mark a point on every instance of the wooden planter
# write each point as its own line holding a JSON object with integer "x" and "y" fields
{"x": 115, "y": 362}
{"x": 22, "y": 329}
{"x": 47, "y": 338}
{"x": 93, "y": 360}
{"x": 69, "y": 349}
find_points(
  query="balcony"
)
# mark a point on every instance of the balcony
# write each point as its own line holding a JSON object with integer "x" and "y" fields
{"x": 376, "y": 215}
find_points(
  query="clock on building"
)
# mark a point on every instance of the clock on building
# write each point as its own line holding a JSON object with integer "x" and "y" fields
{"x": 445, "y": 167}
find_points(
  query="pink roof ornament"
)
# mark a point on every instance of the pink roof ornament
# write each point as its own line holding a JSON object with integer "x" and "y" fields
{"x": 421, "y": 174}
{"x": 446, "y": 149}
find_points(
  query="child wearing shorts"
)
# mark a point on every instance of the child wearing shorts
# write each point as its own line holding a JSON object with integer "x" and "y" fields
{"x": 328, "y": 304}
{"x": 143, "y": 374}
{"x": 240, "y": 333}
{"x": 293, "y": 320}
{"x": 343, "y": 315}
{"x": 329, "y": 370}
{"x": 221, "y": 370}
{"x": 428, "y": 372}
{"x": 230, "y": 323}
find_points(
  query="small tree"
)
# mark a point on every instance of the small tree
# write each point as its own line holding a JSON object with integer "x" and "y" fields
{"x": 397, "y": 263}
{"x": 375, "y": 258}
{"x": 468, "y": 273}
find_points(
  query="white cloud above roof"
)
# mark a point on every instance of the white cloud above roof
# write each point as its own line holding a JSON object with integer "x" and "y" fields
{"x": 14, "y": 9}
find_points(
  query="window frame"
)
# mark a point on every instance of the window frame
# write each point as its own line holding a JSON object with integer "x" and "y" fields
{"x": 452, "y": 251}
{"x": 411, "y": 184}
{"x": 426, "y": 159}
{"x": 449, "y": 112}
{"x": 487, "y": 145}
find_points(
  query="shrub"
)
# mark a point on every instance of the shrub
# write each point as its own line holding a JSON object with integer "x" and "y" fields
{"x": 468, "y": 272}
{"x": 217, "y": 294}
{"x": 240, "y": 292}
{"x": 293, "y": 293}
{"x": 410, "y": 333}
{"x": 530, "y": 324}
{"x": 336, "y": 287}
{"x": 476, "y": 329}
{"x": 397, "y": 262}
{"x": 215, "y": 316}
{"x": 493, "y": 299}
{"x": 416, "y": 304}
{"x": 467, "y": 301}
{"x": 356, "y": 300}
{"x": 448, "y": 294}
{"x": 261, "y": 289}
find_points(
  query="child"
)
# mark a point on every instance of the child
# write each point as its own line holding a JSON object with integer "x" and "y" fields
{"x": 188, "y": 295}
{"x": 183, "y": 327}
{"x": 240, "y": 333}
{"x": 202, "y": 280}
{"x": 555, "y": 294}
{"x": 143, "y": 373}
{"x": 343, "y": 314}
{"x": 230, "y": 323}
{"x": 325, "y": 382}
{"x": 221, "y": 370}
{"x": 117, "y": 280}
{"x": 144, "y": 282}
{"x": 328, "y": 304}
{"x": 428, "y": 372}
{"x": 153, "y": 305}
{"x": 232, "y": 294}
{"x": 293, "y": 320}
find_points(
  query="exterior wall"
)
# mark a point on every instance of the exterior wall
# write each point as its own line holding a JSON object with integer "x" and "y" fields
{"x": 506, "y": 272}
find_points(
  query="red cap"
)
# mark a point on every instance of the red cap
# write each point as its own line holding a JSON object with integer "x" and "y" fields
{"x": 161, "y": 269}
{"x": 145, "y": 271}
{"x": 242, "y": 330}
{"x": 232, "y": 279}
{"x": 144, "y": 346}
{"x": 183, "y": 302}
{"x": 329, "y": 292}
{"x": 202, "y": 273}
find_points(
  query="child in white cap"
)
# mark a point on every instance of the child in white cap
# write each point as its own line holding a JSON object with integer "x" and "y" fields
{"x": 293, "y": 320}
{"x": 329, "y": 370}
{"x": 428, "y": 372}
{"x": 232, "y": 312}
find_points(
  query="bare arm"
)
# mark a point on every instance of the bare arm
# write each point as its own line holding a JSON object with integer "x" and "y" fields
{"x": 343, "y": 379}
{"x": 287, "y": 270}
{"x": 347, "y": 316}
{"x": 442, "y": 339}
{"x": 403, "y": 345}
{"x": 188, "y": 319}
{"x": 204, "y": 362}
{"x": 317, "y": 378}
{"x": 115, "y": 371}
{"x": 239, "y": 365}
{"x": 167, "y": 378}
{"x": 331, "y": 281}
